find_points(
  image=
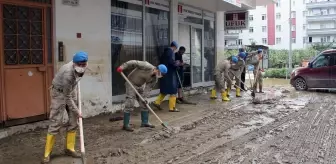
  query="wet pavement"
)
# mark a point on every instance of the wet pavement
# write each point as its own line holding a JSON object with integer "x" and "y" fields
{"x": 285, "y": 127}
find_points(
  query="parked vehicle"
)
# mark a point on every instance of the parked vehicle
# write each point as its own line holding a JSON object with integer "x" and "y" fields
{"x": 319, "y": 74}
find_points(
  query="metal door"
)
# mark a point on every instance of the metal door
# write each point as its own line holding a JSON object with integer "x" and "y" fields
{"x": 196, "y": 56}
{"x": 26, "y": 59}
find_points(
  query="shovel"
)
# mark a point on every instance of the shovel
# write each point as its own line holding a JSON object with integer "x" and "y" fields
{"x": 186, "y": 102}
{"x": 143, "y": 100}
{"x": 251, "y": 90}
{"x": 81, "y": 133}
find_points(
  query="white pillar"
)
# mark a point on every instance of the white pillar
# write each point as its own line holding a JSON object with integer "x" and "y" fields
{"x": 173, "y": 20}
{"x": 220, "y": 41}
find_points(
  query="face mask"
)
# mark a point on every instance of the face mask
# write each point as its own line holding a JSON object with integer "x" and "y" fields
{"x": 80, "y": 70}
{"x": 159, "y": 75}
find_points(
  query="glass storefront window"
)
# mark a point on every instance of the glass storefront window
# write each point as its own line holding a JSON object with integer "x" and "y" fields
{"x": 126, "y": 39}
{"x": 157, "y": 34}
{"x": 209, "y": 50}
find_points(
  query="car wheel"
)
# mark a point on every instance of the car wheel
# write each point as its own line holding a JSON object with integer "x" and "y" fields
{"x": 300, "y": 84}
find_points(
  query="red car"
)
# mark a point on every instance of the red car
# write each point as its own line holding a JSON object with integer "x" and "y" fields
{"x": 320, "y": 73}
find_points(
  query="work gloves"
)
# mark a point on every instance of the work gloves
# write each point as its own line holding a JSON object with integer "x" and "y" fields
{"x": 119, "y": 69}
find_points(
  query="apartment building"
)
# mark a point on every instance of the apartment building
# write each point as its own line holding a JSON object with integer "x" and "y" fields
{"x": 313, "y": 21}
{"x": 321, "y": 20}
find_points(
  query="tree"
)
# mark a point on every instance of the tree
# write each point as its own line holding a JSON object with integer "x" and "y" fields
{"x": 321, "y": 46}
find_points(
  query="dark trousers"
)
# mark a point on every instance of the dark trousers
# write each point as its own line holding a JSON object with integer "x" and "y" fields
{"x": 243, "y": 79}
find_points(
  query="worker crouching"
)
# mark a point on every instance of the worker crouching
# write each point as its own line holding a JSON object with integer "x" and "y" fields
{"x": 235, "y": 72}
{"x": 143, "y": 77}
{"x": 63, "y": 93}
{"x": 222, "y": 76}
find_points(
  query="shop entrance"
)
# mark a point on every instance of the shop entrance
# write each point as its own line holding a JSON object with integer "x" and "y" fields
{"x": 191, "y": 37}
{"x": 26, "y": 60}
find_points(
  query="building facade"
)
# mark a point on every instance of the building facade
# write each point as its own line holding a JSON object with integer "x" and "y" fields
{"x": 39, "y": 36}
{"x": 321, "y": 21}
{"x": 313, "y": 21}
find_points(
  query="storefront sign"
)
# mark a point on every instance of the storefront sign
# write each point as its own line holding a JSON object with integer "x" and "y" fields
{"x": 158, "y": 4}
{"x": 70, "y": 2}
{"x": 234, "y": 2}
{"x": 189, "y": 11}
{"x": 237, "y": 20}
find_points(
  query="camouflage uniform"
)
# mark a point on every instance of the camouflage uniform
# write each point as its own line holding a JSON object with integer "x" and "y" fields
{"x": 235, "y": 72}
{"x": 259, "y": 77}
{"x": 142, "y": 79}
{"x": 222, "y": 74}
{"x": 63, "y": 93}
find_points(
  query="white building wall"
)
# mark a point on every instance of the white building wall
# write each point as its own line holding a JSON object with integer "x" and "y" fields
{"x": 93, "y": 20}
{"x": 257, "y": 23}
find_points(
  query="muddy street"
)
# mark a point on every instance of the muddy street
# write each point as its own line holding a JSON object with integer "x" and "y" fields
{"x": 288, "y": 127}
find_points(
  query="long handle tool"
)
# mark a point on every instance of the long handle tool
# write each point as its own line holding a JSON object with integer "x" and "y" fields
{"x": 252, "y": 91}
{"x": 81, "y": 133}
{"x": 186, "y": 102}
{"x": 143, "y": 100}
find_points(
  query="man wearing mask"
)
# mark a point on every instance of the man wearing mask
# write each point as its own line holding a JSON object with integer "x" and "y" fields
{"x": 222, "y": 76}
{"x": 168, "y": 84}
{"x": 179, "y": 59}
{"x": 63, "y": 93}
{"x": 143, "y": 77}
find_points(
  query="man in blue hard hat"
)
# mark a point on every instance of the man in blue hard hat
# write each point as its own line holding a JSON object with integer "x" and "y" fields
{"x": 143, "y": 77}
{"x": 235, "y": 72}
{"x": 168, "y": 84}
{"x": 222, "y": 76}
{"x": 63, "y": 93}
{"x": 257, "y": 72}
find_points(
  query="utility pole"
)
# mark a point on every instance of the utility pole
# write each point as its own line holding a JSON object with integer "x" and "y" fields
{"x": 290, "y": 38}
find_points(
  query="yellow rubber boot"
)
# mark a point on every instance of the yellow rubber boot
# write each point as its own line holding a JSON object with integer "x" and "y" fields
{"x": 70, "y": 144}
{"x": 238, "y": 92}
{"x": 48, "y": 147}
{"x": 228, "y": 90}
{"x": 172, "y": 104}
{"x": 213, "y": 94}
{"x": 158, "y": 101}
{"x": 224, "y": 96}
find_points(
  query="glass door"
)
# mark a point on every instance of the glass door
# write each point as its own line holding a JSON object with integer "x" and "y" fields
{"x": 196, "y": 51}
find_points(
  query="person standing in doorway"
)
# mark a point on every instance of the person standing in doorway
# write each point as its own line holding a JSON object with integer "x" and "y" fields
{"x": 168, "y": 83}
{"x": 242, "y": 86}
{"x": 180, "y": 72}
{"x": 63, "y": 93}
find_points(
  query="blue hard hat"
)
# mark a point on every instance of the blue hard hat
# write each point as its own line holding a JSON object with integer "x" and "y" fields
{"x": 162, "y": 68}
{"x": 80, "y": 56}
{"x": 242, "y": 55}
{"x": 234, "y": 59}
{"x": 260, "y": 50}
{"x": 174, "y": 44}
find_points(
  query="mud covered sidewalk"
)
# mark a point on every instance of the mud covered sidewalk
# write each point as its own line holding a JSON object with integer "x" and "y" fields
{"x": 294, "y": 127}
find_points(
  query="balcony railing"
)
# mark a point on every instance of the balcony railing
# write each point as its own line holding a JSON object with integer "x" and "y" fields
{"x": 320, "y": 17}
{"x": 231, "y": 35}
{"x": 321, "y": 31}
{"x": 232, "y": 46}
{"x": 316, "y": 4}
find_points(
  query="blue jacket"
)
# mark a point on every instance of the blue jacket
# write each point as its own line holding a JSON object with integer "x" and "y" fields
{"x": 168, "y": 83}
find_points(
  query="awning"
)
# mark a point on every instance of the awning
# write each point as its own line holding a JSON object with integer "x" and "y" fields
{"x": 213, "y": 5}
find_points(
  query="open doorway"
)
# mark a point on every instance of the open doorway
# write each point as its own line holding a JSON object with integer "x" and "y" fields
{"x": 191, "y": 38}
